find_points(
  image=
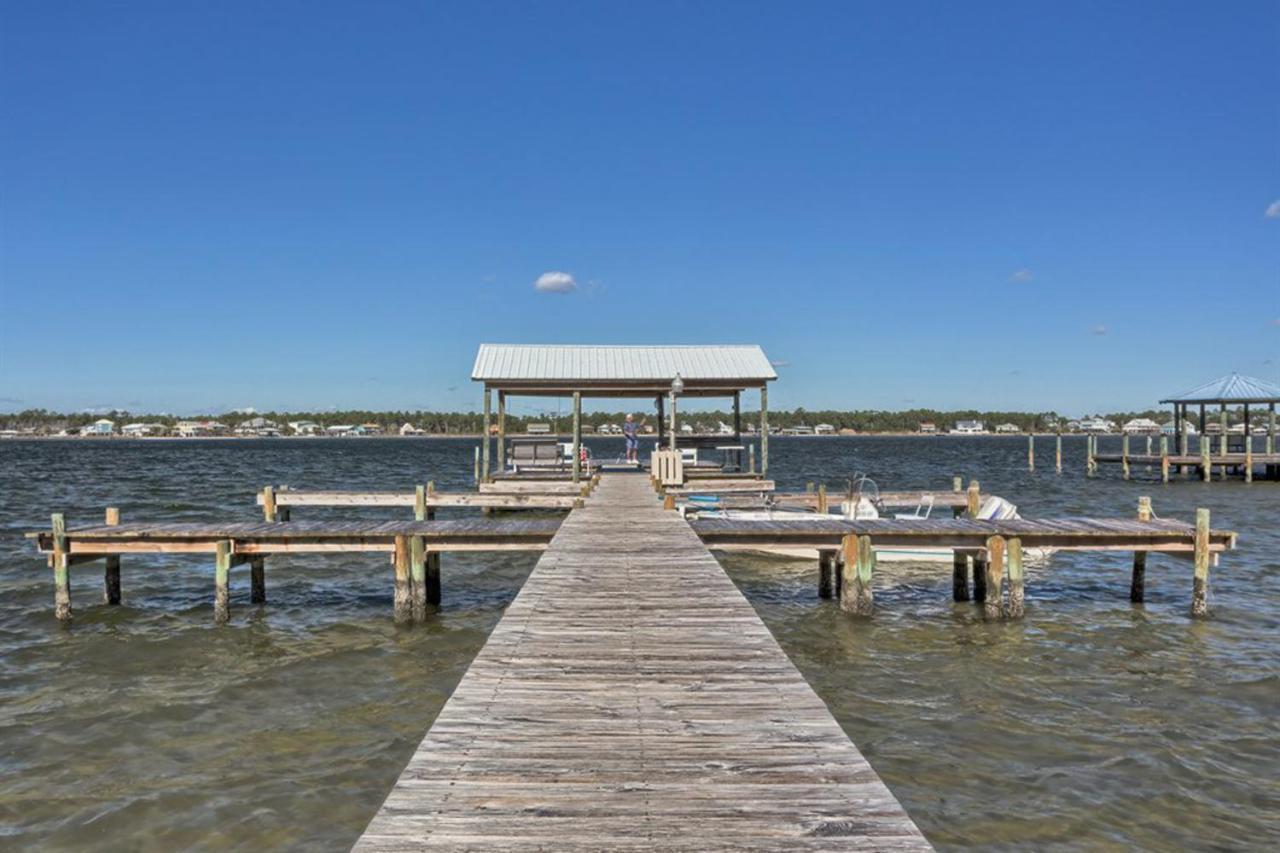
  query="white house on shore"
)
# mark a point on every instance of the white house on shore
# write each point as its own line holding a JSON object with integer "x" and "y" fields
{"x": 1008, "y": 429}
{"x": 141, "y": 430}
{"x": 1097, "y": 426}
{"x": 410, "y": 429}
{"x": 1187, "y": 427}
{"x": 824, "y": 429}
{"x": 969, "y": 428}
{"x": 1141, "y": 426}
{"x": 101, "y": 426}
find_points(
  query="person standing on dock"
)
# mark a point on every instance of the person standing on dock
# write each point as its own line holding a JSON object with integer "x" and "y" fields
{"x": 633, "y": 439}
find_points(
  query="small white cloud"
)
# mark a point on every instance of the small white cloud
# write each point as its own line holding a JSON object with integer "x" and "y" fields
{"x": 1099, "y": 330}
{"x": 555, "y": 282}
{"x": 1021, "y": 276}
{"x": 1273, "y": 210}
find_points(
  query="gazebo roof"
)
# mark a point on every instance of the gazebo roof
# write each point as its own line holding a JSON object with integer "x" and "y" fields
{"x": 1230, "y": 389}
{"x": 621, "y": 370}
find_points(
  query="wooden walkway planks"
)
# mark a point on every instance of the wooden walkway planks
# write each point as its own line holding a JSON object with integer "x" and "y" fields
{"x": 632, "y": 699}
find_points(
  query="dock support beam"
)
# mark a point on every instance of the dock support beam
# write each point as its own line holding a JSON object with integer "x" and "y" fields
{"x": 221, "y": 582}
{"x": 111, "y": 577}
{"x": 764, "y": 430}
{"x": 1031, "y": 451}
{"x": 1017, "y": 593}
{"x": 61, "y": 562}
{"x": 959, "y": 575}
{"x": 859, "y": 564}
{"x": 403, "y": 606}
{"x": 1057, "y": 453}
{"x": 1200, "y": 587}
{"x": 826, "y": 574}
{"x": 1124, "y": 455}
{"x": 993, "y": 602}
{"x": 1138, "y": 584}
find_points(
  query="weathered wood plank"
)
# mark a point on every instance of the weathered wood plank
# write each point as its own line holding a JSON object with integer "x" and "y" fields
{"x": 631, "y": 699}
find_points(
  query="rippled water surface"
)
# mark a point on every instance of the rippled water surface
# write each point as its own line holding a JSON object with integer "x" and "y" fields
{"x": 1091, "y": 723}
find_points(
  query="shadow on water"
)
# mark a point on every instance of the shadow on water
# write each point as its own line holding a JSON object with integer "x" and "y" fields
{"x": 1092, "y": 723}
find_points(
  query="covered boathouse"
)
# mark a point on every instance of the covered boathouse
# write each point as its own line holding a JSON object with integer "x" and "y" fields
{"x": 659, "y": 373}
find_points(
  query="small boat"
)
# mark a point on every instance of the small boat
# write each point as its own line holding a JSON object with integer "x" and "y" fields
{"x": 862, "y": 502}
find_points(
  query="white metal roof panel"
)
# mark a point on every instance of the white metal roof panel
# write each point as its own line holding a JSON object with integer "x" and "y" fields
{"x": 1231, "y": 388}
{"x": 536, "y": 362}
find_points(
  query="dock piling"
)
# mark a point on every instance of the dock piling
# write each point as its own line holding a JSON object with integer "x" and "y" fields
{"x": 269, "y": 504}
{"x": 1031, "y": 451}
{"x": 993, "y": 601}
{"x": 221, "y": 582}
{"x": 258, "y": 580}
{"x": 1016, "y": 590}
{"x": 859, "y": 565}
{"x": 403, "y": 604}
{"x": 418, "y": 577}
{"x": 959, "y": 575}
{"x": 1124, "y": 455}
{"x": 420, "y": 503}
{"x": 826, "y": 574}
{"x": 1137, "y": 586}
{"x": 61, "y": 562}
{"x": 822, "y": 498}
{"x": 1200, "y": 587}
{"x": 1057, "y": 452}
{"x": 1248, "y": 456}
{"x": 111, "y": 576}
{"x": 975, "y": 498}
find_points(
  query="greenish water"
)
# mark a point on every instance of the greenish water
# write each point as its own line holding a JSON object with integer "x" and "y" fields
{"x": 1090, "y": 724}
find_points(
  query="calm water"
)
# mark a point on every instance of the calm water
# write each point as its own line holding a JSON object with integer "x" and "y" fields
{"x": 1090, "y": 724}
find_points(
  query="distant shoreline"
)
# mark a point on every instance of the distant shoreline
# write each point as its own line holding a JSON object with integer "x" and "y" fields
{"x": 559, "y": 436}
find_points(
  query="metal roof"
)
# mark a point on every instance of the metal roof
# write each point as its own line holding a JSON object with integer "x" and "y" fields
{"x": 1231, "y": 389}
{"x": 596, "y": 365}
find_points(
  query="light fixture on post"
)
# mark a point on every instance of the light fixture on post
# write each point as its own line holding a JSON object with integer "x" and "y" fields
{"x": 677, "y": 387}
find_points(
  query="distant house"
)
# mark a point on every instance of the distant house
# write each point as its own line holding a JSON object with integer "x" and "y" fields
{"x": 304, "y": 427}
{"x": 370, "y": 429}
{"x": 802, "y": 429}
{"x": 1008, "y": 429}
{"x": 410, "y": 429}
{"x": 258, "y": 426}
{"x": 1097, "y": 426}
{"x": 141, "y": 430}
{"x": 1188, "y": 428}
{"x": 647, "y": 429}
{"x": 100, "y": 427}
{"x": 1073, "y": 426}
{"x": 969, "y": 428}
{"x": 686, "y": 428}
{"x": 1141, "y": 426}
{"x": 587, "y": 429}
{"x": 341, "y": 430}
{"x": 200, "y": 429}
{"x": 927, "y": 428}
{"x": 824, "y": 429}
{"x": 538, "y": 428}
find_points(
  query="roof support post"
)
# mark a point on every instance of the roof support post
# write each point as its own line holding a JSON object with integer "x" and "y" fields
{"x": 737, "y": 418}
{"x": 764, "y": 430}
{"x": 662, "y": 426}
{"x": 1271, "y": 428}
{"x": 484, "y": 440}
{"x": 577, "y": 436}
{"x": 502, "y": 431}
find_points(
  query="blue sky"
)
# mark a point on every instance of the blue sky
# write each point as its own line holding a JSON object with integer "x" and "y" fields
{"x": 309, "y": 205}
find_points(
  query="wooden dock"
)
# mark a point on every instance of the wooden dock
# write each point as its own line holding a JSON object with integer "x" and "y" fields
{"x": 631, "y": 699}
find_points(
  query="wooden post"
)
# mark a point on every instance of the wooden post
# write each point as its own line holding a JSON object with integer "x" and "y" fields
{"x": 669, "y": 501}
{"x": 1271, "y": 428}
{"x": 258, "y": 580}
{"x": 1057, "y": 453}
{"x": 1164, "y": 458}
{"x": 418, "y": 577}
{"x": 808, "y": 487}
{"x": 476, "y": 475}
{"x": 221, "y": 582}
{"x": 974, "y": 498}
{"x": 1204, "y": 457}
{"x": 433, "y": 578}
{"x": 1248, "y": 456}
{"x": 859, "y": 564}
{"x": 993, "y": 602}
{"x": 822, "y": 498}
{"x": 484, "y": 440}
{"x": 959, "y": 575}
{"x": 1222, "y": 437}
{"x": 502, "y": 431}
{"x": 1016, "y": 589}
{"x": 1184, "y": 438}
{"x": 111, "y": 577}
{"x": 979, "y": 559}
{"x": 420, "y": 503}
{"x": 1031, "y": 451}
{"x": 1138, "y": 584}
{"x": 577, "y": 436}
{"x": 764, "y": 430}
{"x": 751, "y": 458}
{"x": 269, "y": 504}
{"x": 1124, "y": 455}
{"x": 662, "y": 423}
{"x": 826, "y": 574}
{"x": 61, "y": 566}
{"x": 737, "y": 420}
{"x": 1200, "y": 588}
{"x": 403, "y": 607}
{"x": 1089, "y": 465}
{"x": 957, "y": 484}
